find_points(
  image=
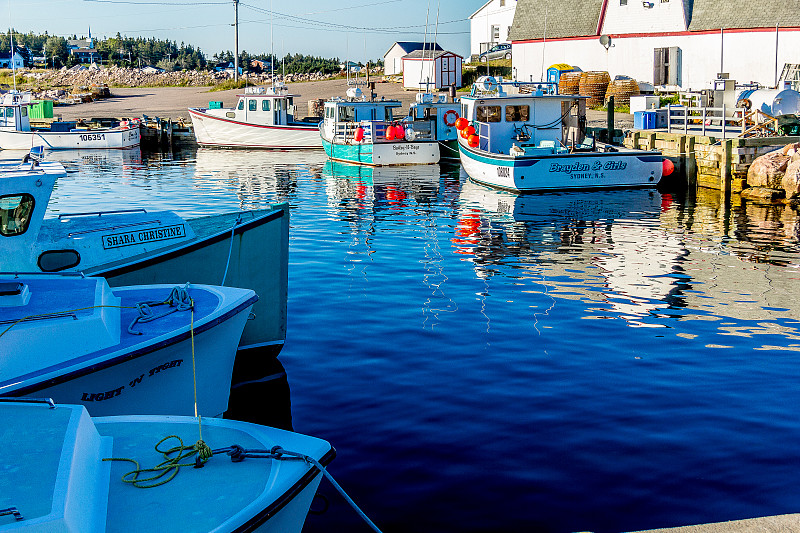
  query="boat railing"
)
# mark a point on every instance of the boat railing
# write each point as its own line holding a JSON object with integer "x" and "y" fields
{"x": 725, "y": 120}
{"x": 101, "y": 213}
{"x": 490, "y": 86}
{"x": 374, "y": 131}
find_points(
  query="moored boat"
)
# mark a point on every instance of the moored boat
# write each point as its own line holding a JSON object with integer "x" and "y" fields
{"x": 368, "y": 132}
{"x": 16, "y": 132}
{"x": 431, "y": 112}
{"x": 149, "y": 349}
{"x": 70, "y": 485}
{"x": 262, "y": 118}
{"x": 523, "y": 138}
{"x": 133, "y": 247}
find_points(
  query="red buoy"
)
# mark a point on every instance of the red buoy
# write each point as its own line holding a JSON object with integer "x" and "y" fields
{"x": 470, "y": 130}
{"x": 473, "y": 141}
{"x": 461, "y": 123}
{"x": 359, "y": 134}
{"x": 389, "y": 133}
{"x": 667, "y": 167}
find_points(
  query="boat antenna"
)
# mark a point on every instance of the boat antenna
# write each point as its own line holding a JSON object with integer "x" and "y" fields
{"x": 424, "y": 46}
{"x": 544, "y": 43}
{"x": 433, "y": 45}
{"x": 13, "y": 63}
{"x": 271, "y": 44}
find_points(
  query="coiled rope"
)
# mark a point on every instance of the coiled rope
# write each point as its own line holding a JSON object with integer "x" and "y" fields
{"x": 178, "y": 300}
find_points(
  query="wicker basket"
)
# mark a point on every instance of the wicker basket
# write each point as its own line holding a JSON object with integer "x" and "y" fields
{"x": 622, "y": 90}
{"x": 569, "y": 83}
{"x": 594, "y": 85}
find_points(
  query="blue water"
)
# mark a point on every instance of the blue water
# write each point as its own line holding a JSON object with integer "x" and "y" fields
{"x": 601, "y": 361}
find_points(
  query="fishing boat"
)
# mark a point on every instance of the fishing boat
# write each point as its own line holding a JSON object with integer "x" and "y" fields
{"x": 369, "y": 132}
{"x": 264, "y": 117}
{"x": 16, "y": 132}
{"x": 64, "y": 471}
{"x": 145, "y": 349}
{"x": 432, "y": 112}
{"x": 136, "y": 246}
{"x": 526, "y": 137}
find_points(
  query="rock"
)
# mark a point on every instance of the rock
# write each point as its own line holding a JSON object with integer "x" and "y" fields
{"x": 762, "y": 194}
{"x": 767, "y": 170}
{"x": 791, "y": 178}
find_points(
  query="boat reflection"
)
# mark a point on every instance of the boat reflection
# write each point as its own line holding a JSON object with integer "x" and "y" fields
{"x": 592, "y": 245}
{"x": 124, "y": 159}
{"x": 260, "y": 394}
{"x": 258, "y": 177}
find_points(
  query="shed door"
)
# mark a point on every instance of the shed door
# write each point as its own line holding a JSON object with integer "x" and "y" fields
{"x": 660, "y": 66}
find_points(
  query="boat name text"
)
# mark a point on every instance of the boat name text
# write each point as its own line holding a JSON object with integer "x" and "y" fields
{"x": 129, "y": 238}
{"x": 107, "y": 395}
{"x": 586, "y": 167}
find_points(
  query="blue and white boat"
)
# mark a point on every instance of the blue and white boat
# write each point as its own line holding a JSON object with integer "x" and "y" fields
{"x": 432, "y": 112}
{"x": 372, "y": 132}
{"x": 136, "y": 246}
{"x": 146, "y": 349}
{"x": 527, "y": 138}
{"x": 56, "y": 476}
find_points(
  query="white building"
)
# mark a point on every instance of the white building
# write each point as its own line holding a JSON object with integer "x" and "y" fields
{"x": 490, "y": 25}
{"x": 678, "y": 43}
{"x": 429, "y": 70}
{"x": 6, "y": 61}
{"x": 393, "y": 59}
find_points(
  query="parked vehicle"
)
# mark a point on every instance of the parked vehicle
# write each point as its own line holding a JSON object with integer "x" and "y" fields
{"x": 498, "y": 51}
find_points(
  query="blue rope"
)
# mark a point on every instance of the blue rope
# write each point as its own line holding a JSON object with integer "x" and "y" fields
{"x": 178, "y": 300}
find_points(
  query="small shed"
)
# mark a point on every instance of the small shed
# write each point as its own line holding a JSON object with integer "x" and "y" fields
{"x": 393, "y": 59}
{"x": 431, "y": 70}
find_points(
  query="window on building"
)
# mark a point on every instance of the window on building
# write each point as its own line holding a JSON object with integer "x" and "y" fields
{"x": 623, "y": 2}
{"x": 517, "y": 113}
{"x": 488, "y": 113}
{"x": 265, "y": 105}
{"x": 495, "y": 33}
{"x": 252, "y": 105}
{"x": 502, "y": 3}
{"x": 15, "y": 214}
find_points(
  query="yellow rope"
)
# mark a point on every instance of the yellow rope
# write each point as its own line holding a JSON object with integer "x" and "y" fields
{"x": 194, "y": 378}
{"x": 169, "y": 467}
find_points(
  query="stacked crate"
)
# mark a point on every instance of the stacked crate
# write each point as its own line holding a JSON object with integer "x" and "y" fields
{"x": 622, "y": 90}
{"x": 569, "y": 83}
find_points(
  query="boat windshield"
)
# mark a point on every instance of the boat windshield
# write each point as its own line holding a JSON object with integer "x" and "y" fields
{"x": 15, "y": 214}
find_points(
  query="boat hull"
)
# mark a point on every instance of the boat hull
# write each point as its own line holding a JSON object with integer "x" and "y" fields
{"x": 582, "y": 170}
{"x": 70, "y": 140}
{"x": 384, "y": 154}
{"x": 211, "y": 130}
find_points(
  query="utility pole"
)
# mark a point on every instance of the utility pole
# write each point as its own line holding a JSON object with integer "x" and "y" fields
{"x": 236, "y": 31}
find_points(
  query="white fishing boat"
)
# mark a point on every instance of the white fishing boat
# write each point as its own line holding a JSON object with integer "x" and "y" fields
{"x": 368, "y": 132}
{"x": 60, "y": 473}
{"x": 145, "y": 349}
{"x": 523, "y": 137}
{"x": 134, "y": 247}
{"x": 16, "y": 132}
{"x": 262, "y": 118}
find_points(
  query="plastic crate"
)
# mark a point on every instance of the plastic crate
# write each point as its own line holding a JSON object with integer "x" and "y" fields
{"x": 41, "y": 109}
{"x": 215, "y": 105}
{"x": 644, "y": 120}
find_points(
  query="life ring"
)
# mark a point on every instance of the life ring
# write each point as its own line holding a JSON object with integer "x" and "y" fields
{"x": 450, "y": 113}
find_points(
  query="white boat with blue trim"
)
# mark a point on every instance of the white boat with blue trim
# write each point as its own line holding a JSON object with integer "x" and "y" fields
{"x": 16, "y": 132}
{"x": 66, "y": 471}
{"x": 136, "y": 246}
{"x": 145, "y": 349}
{"x": 264, "y": 117}
{"x": 524, "y": 137}
{"x": 372, "y": 132}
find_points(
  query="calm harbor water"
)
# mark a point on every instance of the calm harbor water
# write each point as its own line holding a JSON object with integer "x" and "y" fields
{"x": 601, "y": 361}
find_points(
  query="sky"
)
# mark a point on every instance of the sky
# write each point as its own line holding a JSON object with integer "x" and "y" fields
{"x": 348, "y": 29}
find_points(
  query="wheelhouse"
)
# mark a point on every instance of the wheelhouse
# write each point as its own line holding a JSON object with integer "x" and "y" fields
{"x": 271, "y": 106}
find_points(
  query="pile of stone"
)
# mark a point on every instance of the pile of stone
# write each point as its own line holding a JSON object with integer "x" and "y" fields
{"x": 775, "y": 175}
{"x": 134, "y": 77}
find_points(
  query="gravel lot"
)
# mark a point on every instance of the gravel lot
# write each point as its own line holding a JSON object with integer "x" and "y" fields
{"x": 172, "y": 102}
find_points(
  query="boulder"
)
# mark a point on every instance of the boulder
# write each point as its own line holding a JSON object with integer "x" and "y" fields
{"x": 791, "y": 178}
{"x": 767, "y": 170}
{"x": 762, "y": 195}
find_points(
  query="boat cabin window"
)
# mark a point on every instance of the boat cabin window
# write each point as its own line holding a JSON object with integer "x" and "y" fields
{"x": 23, "y": 111}
{"x": 388, "y": 115}
{"x": 15, "y": 214}
{"x": 278, "y": 105}
{"x": 265, "y": 104}
{"x": 252, "y": 105}
{"x": 347, "y": 113}
{"x": 241, "y": 105}
{"x": 488, "y": 113}
{"x": 517, "y": 113}
{"x": 10, "y": 112}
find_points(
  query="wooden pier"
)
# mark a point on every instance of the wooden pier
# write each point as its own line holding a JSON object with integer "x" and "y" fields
{"x": 708, "y": 161}
{"x": 164, "y": 132}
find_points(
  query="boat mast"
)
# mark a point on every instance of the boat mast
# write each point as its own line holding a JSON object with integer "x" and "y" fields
{"x": 236, "y": 38}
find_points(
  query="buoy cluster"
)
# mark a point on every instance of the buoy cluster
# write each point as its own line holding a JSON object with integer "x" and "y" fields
{"x": 467, "y": 131}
